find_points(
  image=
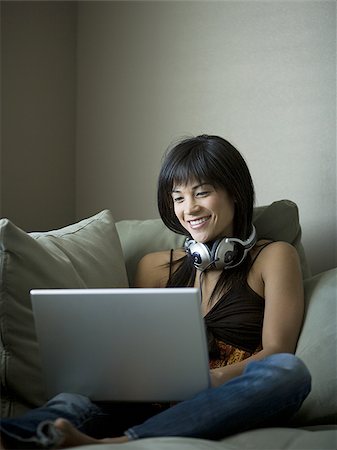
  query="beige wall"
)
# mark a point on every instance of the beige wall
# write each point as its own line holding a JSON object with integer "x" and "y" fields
{"x": 1, "y": 105}
{"x": 38, "y": 113}
{"x": 84, "y": 128}
{"x": 261, "y": 74}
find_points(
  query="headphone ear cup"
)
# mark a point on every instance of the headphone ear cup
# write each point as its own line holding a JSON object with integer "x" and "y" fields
{"x": 199, "y": 253}
{"x": 225, "y": 254}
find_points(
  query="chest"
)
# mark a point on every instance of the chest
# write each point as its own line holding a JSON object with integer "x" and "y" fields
{"x": 207, "y": 282}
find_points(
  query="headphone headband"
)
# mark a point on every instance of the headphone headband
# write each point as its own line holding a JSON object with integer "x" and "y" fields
{"x": 225, "y": 253}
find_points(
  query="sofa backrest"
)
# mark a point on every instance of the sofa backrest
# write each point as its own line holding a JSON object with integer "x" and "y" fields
{"x": 278, "y": 221}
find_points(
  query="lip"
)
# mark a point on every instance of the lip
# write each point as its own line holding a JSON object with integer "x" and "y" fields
{"x": 199, "y": 222}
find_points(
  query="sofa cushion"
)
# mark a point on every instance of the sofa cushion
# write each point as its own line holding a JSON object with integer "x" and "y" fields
{"x": 84, "y": 255}
{"x": 260, "y": 439}
{"x": 317, "y": 348}
{"x": 277, "y": 221}
{"x": 281, "y": 438}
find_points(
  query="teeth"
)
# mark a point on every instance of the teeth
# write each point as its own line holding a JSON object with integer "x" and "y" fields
{"x": 198, "y": 221}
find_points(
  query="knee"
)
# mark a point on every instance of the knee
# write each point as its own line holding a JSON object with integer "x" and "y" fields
{"x": 72, "y": 406}
{"x": 66, "y": 399}
{"x": 283, "y": 368}
{"x": 289, "y": 370}
{"x": 289, "y": 363}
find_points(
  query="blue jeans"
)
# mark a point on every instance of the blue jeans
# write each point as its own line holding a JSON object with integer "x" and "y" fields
{"x": 267, "y": 393}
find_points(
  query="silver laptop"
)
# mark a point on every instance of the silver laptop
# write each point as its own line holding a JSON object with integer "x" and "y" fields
{"x": 122, "y": 344}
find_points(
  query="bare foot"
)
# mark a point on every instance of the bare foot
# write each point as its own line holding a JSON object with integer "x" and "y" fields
{"x": 74, "y": 438}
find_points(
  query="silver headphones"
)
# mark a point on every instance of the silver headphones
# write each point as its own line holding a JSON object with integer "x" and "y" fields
{"x": 224, "y": 253}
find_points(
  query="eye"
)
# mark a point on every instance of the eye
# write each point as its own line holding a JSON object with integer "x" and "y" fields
{"x": 178, "y": 199}
{"x": 202, "y": 194}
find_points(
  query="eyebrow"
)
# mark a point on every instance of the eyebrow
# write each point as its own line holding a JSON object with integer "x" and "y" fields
{"x": 193, "y": 188}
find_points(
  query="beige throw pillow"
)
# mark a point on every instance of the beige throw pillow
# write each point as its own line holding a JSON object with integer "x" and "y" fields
{"x": 84, "y": 255}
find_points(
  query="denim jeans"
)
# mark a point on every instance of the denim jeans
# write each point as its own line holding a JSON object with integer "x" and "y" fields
{"x": 267, "y": 393}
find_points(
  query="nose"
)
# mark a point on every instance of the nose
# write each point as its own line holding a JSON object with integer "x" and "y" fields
{"x": 191, "y": 205}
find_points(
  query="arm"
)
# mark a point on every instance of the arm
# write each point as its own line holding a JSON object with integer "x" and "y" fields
{"x": 279, "y": 272}
{"x": 153, "y": 270}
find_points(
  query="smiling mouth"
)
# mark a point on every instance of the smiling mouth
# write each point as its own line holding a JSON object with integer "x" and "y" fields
{"x": 197, "y": 222}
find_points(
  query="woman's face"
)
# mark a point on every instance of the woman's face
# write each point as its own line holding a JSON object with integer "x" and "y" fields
{"x": 206, "y": 212}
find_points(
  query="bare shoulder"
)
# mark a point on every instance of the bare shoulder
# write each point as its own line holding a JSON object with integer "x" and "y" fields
{"x": 153, "y": 269}
{"x": 155, "y": 258}
{"x": 278, "y": 258}
{"x": 278, "y": 250}
{"x": 273, "y": 246}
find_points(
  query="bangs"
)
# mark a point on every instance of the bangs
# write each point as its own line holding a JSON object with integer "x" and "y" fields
{"x": 195, "y": 167}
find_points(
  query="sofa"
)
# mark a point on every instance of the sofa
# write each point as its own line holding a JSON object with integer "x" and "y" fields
{"x": 97, "y": 252}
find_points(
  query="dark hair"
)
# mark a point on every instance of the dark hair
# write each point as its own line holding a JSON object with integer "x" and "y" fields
{"x": 207, "y": 159}
{"x": 213, "y": 160}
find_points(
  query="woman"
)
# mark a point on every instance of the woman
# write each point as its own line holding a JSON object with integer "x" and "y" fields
{"x": 252, "y": 302}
